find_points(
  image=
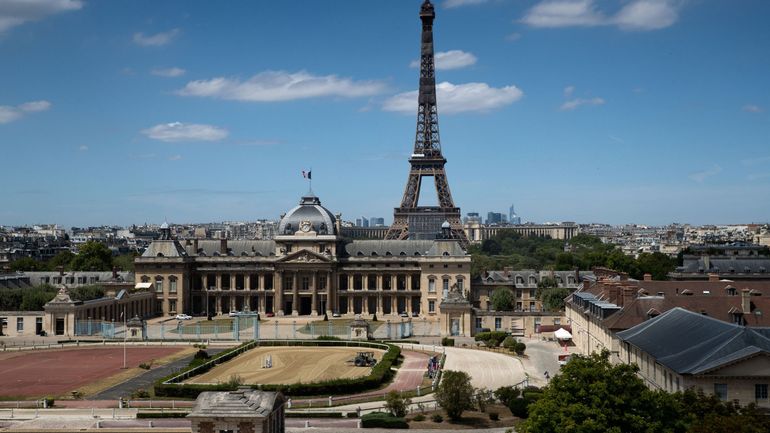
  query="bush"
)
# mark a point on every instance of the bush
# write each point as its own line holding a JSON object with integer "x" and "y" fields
{"x": 509, "y": 343}
{"x": 201, "y": 354}
{"x": 396, "y": 404}
{"x": 328, "y": 338}
{"x": 437, "y": 417}
{"x": 145, "y": 415}
{"x": 446, "y": 341}
{"x": 492, "y": 338}
{"x": 313, "y": 415}
{"x": 494, "y": 416}
{"x": 520, "y": 348}
{"x": 518, "y": 407}
{"x": 140, "y": 393}
{"x": 505, "y": 394}
{"x": 49, "y": 401}
{"x": 419, "y": 417}
{"x": 382, "y": 420}
{"x": 145, "y": 365}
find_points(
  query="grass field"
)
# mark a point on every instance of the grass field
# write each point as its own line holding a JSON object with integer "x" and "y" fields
{"x": 290, "y": 365}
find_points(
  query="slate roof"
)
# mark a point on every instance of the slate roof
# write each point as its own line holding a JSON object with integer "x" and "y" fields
{"x": 691, "y": 343}
{"x": 242, "y": 403}
{"x": 211, "y": 247}
{"x": 164, "y": 248}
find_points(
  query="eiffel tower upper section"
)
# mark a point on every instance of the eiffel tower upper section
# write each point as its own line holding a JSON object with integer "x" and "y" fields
{"x": 411, "y": 221}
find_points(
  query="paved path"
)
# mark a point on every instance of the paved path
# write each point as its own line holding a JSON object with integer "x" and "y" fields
{"x": 146, "y": 380}
{"x": 487, "y": 369}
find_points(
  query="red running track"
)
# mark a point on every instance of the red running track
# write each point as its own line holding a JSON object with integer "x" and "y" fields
{"x": 58, "y": 372}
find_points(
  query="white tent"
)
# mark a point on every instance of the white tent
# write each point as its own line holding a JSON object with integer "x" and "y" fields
{"x": 562, "y": 334}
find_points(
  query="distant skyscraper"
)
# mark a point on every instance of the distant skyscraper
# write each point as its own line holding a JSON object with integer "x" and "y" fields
{"x": 473, "y": 217}
{"x": 376, "y": 222}
{"x": 359, "y": 222}
{"x": 364, "y": 222}
{"x": 496, "y": 218}
{"x": 512, "y": 217}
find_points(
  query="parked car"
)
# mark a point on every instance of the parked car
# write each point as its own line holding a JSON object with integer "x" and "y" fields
{"x": 336, "y": 315}
{"x": 183, "y": 317}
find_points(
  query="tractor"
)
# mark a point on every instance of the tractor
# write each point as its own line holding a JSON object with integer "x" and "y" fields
{"x": 364, "y": 359}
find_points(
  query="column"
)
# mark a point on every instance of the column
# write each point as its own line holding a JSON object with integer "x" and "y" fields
{"x": 278, "y": 298}
{"x": 365, "y": 304}
{"x": 350, "y": 283}
{"x": 295, "y": 295}
{"x": 379, "y": 303}
{"x": 219, "y": 281}
{"x": 247, "y": 282}
{"x": 219, "y": 304}
{"x": 365, "y": 282}
{"x": 408, "y": 282}
{"x": 350, "y": 303}
{"x": 314, "y": 300}
{"x": 329, "y": 299}
{"x": 394, "y": 304}
{"x": 232, "y": 281}
{"x": 261, "y": 282}
{"x": 263, "y": 303}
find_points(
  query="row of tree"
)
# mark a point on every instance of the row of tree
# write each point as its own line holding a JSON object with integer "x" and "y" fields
{"x": 510, "y": 249}
{"x": 91, "y": 256}
{"x": 591, "y": 395}
{"x": 34, "y": 298}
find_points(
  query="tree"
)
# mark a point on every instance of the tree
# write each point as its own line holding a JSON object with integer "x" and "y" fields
{"x": 27, "y": 264}
{"x": 396, "y": 404}
{"x": 657, "y": 264}
{"x": 63, "y": 258}
{"x": 502, "y": 299}
{"x": 125, "y": 262}
{"x": 592, "y": 396}
{"x": 455, "y": 393}
{"x": 553, "y": 298}
{"x": 87, "y": 293}
{"x": 93, "y": 256}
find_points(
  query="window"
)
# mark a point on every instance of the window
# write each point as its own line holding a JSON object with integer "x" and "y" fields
{"x": 478, "y": 323}
{"x": 498, "y": 323}
{"x": 760, "y": 391}
{"x": 158, "y": 284}
{"x": 19, "y": 324}
{"x": 431, "y": 286}
{"x": 557, "y": 321}
{"x": 460, "y": 284}
{"x": 431, "y": 306}
{"x": 322, "y": 283}
{"x": 172, "y": 285}
{"x": 531, "y": 305}
{"x": 518, "y": 293}
{"x": 305, "y": 281}
{"x": 531, "y": 293}
{"x": 446, "y": 284}
{"x": 720, "y": 390}
{"x": 172, "y": 306}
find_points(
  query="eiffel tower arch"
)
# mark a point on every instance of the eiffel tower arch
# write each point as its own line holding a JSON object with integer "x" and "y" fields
{"x": 411, "y": 221}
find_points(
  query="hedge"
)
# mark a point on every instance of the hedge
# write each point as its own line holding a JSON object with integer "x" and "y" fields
{"x": 141, "y": 415}
{"x": 446, "y": 341}
{"x": 313, "y": 414}
{"x": 383, "y": 420}
{"x": 380, "y": 374}
{"x": 492, "y": 338}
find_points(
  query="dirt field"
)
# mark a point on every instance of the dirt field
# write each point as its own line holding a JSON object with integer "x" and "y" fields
{"x": 56, "y": 372}
{"x": 290, "y": 365}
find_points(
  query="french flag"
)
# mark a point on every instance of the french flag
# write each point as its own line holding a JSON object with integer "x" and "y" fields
{"x": 307, "y": 174}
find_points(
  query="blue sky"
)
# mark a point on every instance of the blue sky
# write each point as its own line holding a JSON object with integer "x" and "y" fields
{"x": 635, "y": 111}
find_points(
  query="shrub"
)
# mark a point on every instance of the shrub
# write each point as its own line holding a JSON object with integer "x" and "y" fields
{"x": 49, "y": 401}
{"x": 145, "y": 365}
{"x": 446, "y": 341}
{"x": 396, "y": 404}
{"x": 383, "y": 420}
{"x": 520, "y": 348}
{"x": 313, "y": 414}
{"x": 141, "y": 415}
{"x": 328, "y": 338}
{"x": 509, "y": 343}
{"x": 505, "y": 394}
{"x": 518, "y": 407}
{"x": 140, "y": 393}
{"x": 492, "y": 338}
{"x": 419, "y": 417}
{"x": 234, "y": 381}
{"x": 437, "y": 417}
{"x": 494, "y": 416}
{"x": 201, "y": 354}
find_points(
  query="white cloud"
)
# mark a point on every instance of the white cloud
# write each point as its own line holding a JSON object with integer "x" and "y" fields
{"x": 271, "y": 86}
{"x": 168, "y": 72}
{"x": 647, "y": 15}
{"x": 568, "y": 91}
{"x": 175, "y": 157}
{"x": 156, "y": 40}
{"x": 9, "y": 113}
{"x": 17, "y": 12}
{"x": 452, "y": 59}
{"x": 83, "y": 148}
{"x": 177, "y": 131}
{"x": 636, "y": 15}
{"x": 457, "y": 3}
{"x": 577, "y": 102}
{"x": 616, "y": 139}
{"x": 513, "y": 37}
{"x": 700, "y": 176}
{"x": 458, "y": 98}
{"x": 751, "y": 108}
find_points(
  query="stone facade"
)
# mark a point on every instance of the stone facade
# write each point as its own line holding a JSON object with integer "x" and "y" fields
{"x": 241, "y": 411}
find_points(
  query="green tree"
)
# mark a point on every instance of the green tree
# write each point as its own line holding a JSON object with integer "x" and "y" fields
{"x": 455, "y": 393}
{"x": 125, "y": 262}
{"x": 92, "y": 256}
{"x": 35, "y": 298}
{"x": 396, "y": 404}
{"x": 27, "y": 264}
{"x": 657, "y": 264}
{"x": 87, "y": 293}
{"x": 502, "y": 299}
{"x": 63, "y": 259}
{"x": 592, "y": 396}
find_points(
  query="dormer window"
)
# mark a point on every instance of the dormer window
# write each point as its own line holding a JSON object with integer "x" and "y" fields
{"x": 731, "y": 291}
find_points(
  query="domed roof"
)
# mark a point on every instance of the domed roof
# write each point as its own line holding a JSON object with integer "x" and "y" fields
{"x": 320, "y": 219}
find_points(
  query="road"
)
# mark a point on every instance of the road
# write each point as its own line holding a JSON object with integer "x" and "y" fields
{"x": 542, "y": 356}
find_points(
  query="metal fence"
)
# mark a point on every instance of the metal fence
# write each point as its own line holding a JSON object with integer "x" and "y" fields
{"x": 249, "y": 328}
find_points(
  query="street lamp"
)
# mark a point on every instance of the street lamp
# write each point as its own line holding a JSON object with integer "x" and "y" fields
{"x": 125, "y": 336}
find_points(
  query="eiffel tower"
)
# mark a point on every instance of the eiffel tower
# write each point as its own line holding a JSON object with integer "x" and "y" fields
{"x": 411, "y": 221}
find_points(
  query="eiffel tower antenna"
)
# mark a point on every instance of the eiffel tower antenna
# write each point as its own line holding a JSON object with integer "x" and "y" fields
{"x": 411, "y": 221}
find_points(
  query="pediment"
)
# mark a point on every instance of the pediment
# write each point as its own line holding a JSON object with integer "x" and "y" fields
{"x": 304, "y": 256}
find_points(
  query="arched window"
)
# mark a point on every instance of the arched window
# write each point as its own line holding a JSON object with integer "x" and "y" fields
{"x": 172, "y": 284}
{"x": 159, "y": 284}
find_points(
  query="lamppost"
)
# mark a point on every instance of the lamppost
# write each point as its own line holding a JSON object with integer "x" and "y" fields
{"x": 125, "y": 337}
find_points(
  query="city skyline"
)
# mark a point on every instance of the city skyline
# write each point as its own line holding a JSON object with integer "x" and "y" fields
{"x": 118, "y": 114}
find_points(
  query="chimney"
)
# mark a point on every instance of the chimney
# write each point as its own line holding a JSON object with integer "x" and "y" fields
{"x": 507, "y": 270}
{"x": 713, "y": 277}
{"x": 223, "y": 246}
{"x": 114, "y": 272}
{"x": 61, "y": 270}
{"x": 195, "y": 246}
{"x": 648, "y": 277}
{"x": 745, "y": 301}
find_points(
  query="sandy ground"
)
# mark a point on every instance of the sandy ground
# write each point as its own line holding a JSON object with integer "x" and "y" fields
{"x": 290, "y": 365}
